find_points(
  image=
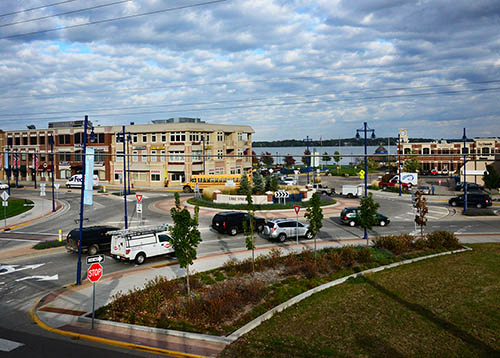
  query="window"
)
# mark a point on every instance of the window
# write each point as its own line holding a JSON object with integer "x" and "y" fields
{"x": 176, "y": 156}
{"x": 177, "y": 137}
{"x": 119, "y": 156}
{"x": 43, "y": 157}
{"x": 17, "y": 141}
{"x": 220, "y": 136}
{"x": 155, "y": 177}
{"x": 100, "y": 157}
{"x": 240, "y": 137}
{"x": 220, "y": 154}
{"x": 144, "y": 157}
{"x": 78, "y": 156}
{"x": 163, "y": 238}
{"x": 153, "y": 155}
{"x": 23, "y": 157}
{"x": 139, "y": 176}
{"x": 42, "y": 139}
{"x": 64, "y": 139}
{"x": 219, "y": 170}
{"x": 206, "y": 137}
{"x": 64, "y": 174}
{"x": 118, "y": 176}
{"x": 100, "y": 138}
{"x": 177, "y": 176}
{"x": 194, "y": 137}
{"x": 134, "y": 138}
{"x": 33, "y": 141}
{"x": 164, "y": 137}
{"x": 162, "y": 156}
{"x": 78, "y": 138}
{"x": 485, "y": 150}
{"x": 144, "y": 138}
{"x": 465, "y": 150}
{"x": 25, "y": 140}
{"x": 426, "y": 150}
{"x": 197, "y": 155}
{"x": 153, "y": 137}
{"x": 135, "y": 156}
{"x": 64, "y": 157}
{"x": 407, "y": 151}
{"x": 9, "y": 141}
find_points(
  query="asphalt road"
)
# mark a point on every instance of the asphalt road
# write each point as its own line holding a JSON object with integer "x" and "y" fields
{"x": 23, "y": 281}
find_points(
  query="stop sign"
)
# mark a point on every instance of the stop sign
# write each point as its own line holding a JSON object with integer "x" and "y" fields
{"x": 95, "y": 272}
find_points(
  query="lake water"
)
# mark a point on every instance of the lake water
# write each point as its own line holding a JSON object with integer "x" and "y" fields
{"x": 348, "y": 154}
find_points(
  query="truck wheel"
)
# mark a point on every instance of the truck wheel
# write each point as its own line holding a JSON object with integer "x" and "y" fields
{"x": 233, "y": 231}
{"x": 140, "y": 258}
{"x": 350, "y": 196}
{"x": 186, "y": 189}
{"x": 282, "y": 238}
{"x": 93, "y": 250}
{"x": 352, "y": 223}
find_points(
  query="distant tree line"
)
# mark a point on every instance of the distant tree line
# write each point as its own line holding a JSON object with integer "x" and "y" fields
{"x": 335, "y": 142}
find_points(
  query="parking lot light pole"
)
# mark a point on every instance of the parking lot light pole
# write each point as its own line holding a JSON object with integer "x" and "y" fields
{"x": 121, "y": 136}
{"x": 464, "y": 137}
{"x": 9, "y": 168}
{"x": 51, "y": 142}
{"x": 79, "y": 263}
{"x": 365, "y": 129}
{"x": 129, "y": 139}
{"x": 399, "y": 162}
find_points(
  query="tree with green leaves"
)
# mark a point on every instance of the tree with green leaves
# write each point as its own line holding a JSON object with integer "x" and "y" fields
{"x": 275, "y": 185}
{"x": 288, "y": 160}
{"x": 306, "y": 158}
{"x": 258, "y": 183}
{"x": 491, "y": 178}
{"x": 248, "y": 228}
{"x": 367, "y": 211}
{"x": 412, "y": 165}
{"x": 244, "y": 185}
{"x": 267, "y": 158}
{"x": 337, "y": 158}
{"x": 326, "y": 158}
{"x": 185, "y": 236}
{"x": 314, "y": 216}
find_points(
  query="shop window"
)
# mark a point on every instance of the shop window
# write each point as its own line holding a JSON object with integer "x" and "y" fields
{"x": 25, "y": 140}
{"x": 155, "y": 177}
{"x": 42, "y": 139}
{"x": 33, "y": 141}
{"x": 17, "y": 141}
{"x": 485, "y": 150}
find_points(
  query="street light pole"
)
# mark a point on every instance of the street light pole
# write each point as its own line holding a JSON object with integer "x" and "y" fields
{"x": 121, "y": 136}
{"x": 464, "y": 137}
{"x": 365, "y": 129}
{"x": 9, "y": 169}
{"x": 79, "y": 264}
{"x": 308, "y": 140}
{"x": 399, "y": 163}
{"x": 128, "y": 162}
{"x": 51, "y": 142}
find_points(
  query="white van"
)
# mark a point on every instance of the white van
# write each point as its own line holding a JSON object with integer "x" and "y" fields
{"x": 76, "y": 181}
{"x": 137, "y": 244}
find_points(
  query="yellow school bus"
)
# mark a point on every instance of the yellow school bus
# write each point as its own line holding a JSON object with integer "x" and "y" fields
{"x": 210, "y": 181}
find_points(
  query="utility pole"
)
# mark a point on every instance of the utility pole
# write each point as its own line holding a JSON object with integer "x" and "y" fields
{"x": 307, "y": 141}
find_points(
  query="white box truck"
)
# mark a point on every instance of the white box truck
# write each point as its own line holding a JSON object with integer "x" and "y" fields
{"x": 352, "y": 191}
{"x": 406, "y": 178}
{"x": 76, "y": 181}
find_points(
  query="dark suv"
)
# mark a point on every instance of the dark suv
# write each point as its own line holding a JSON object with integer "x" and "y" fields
{"x": 94, "y": 239}
{"x": 473, "y": 199}
{"x": 349, "y": 216}
{"x": 231, "y": 222}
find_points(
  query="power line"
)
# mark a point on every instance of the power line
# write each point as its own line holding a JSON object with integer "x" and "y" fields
{"x": 252, "y": 99}
{"x": 427, "y": 94}
{"x": 112, "y": 19}
{"x": 65, "y": 13}
{"x": 36, "y": 8}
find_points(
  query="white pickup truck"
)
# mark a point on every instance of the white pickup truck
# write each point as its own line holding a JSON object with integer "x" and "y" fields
{"x": 352, "y": 191}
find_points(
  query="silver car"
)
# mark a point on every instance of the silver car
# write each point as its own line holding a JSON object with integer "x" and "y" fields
{"x": 3, "y": 186}
{"x": 281, "y": 229}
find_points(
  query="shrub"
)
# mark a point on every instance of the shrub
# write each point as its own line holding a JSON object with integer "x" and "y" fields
{"x": 441, "y": 238}
{"x": 420, "y": 244}
{"x": 364, "y": 255}
{"x": 396, "y": 244}
{"x": 349, "y": 255}
{"x": 334, "y": 259}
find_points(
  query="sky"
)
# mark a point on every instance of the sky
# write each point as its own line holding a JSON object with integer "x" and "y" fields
{"x": 287, "y": 68}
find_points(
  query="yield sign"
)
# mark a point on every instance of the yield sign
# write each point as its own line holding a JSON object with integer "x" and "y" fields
{"x": 139, "y": 198}
{"x": 297, "y": 209}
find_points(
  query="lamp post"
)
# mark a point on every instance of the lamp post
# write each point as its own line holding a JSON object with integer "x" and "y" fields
{"x": 51, "y": 142}
{"x": 464, "y": 137}
{"x": 365, "y": 129}
{"x": 307, "y": 141}
{"x": 9, "y": 168}
{"x": 129, "y": 139}
{"x": 92, "y": 136}
{"x": 399, "y": 162}
{"x": 120, "y": 136}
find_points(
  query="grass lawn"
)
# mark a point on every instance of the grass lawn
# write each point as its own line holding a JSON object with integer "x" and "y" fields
{"x": 442, "y": 307}
{"x": 16, "y": 207}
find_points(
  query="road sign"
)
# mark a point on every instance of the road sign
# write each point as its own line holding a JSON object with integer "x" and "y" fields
{"x": 138, "y": 208}
{"x": 281, "y": 194}
{"x": 362, "y": 174}
{"x": 96, "y": 258}
{"x": 42, "y": 193}
{"x": 4, "y": 196}
{"x": 94, "y": 272}
{"x": 57, "y": 185}
{"x": 5, "y": 203}
{"x": 297, "y": 209}
{"x": 139, "y": 198}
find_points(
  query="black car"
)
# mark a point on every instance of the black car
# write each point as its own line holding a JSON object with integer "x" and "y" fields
{"x": 470, "y": 187}
{"x": 349, "y": 216}
{"x": 473, "y": 199}
{"x": 231, "y": 222}
{"x": 94, "y": 239}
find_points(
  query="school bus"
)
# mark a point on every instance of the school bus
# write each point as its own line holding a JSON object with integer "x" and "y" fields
{"x": 210, "y": 181}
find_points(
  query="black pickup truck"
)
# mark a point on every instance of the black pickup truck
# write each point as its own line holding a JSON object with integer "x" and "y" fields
{"x": 231, "y": 222}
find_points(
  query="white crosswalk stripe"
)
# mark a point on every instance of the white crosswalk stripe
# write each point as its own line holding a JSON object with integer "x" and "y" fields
{"x": 7, "y": 346}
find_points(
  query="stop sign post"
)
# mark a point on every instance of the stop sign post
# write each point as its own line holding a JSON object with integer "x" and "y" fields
{"x": 94, "y": 274}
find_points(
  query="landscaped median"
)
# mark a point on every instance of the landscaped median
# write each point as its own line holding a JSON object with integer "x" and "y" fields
{"x": 232, "y": 300}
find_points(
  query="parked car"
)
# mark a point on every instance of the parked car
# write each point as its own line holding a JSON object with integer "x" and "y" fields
{"x": 288, "y": 181}
{"x": 281, "y": 229}
{"x": 434, "y": 172}
{"x": 94, "y": 239}
{"x": 3, "y": 186}
{"x": 478, "y": 200}
{"x": 231, "y": 222}
{"x": 470, "y": 187}
{"x": 426, "y": 190}
{"x": 350, "y": 216}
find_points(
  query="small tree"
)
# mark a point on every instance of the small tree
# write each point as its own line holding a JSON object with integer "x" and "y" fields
{"x": 326, "y": 158}
{"x": 244, "y": 185}
{"x": 314, "y": 216}
{"x": 258, "y": 183}
{"x": 248, "y": 228}
{"x": 336, "y": 158}
{"x": 185, "y": 236}
{"x": 491, "y": 178}
{"x": 267, "y": 158}
{"x": 412, "y": 165}
{"x": 306, "y": 158}
{"x": 367, "y": 211}
{"x": 288, "y": 160}
{"x": 268, "y": 182}
{"x": 421, "y": 205}
{"x": 274, "y": 183}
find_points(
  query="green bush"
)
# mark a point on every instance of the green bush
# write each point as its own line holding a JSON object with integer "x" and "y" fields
{"x": 397, "y": 244}
{"x": 442, "y": 238}
{"x": 364, "y": 255}
{"x": 349, "y": 255}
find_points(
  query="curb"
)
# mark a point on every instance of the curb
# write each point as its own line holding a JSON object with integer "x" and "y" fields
{"x": 27, "y": 223}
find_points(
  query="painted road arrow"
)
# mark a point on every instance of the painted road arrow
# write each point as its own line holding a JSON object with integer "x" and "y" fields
{"x": 39, "y": 278}
{"x": 12, "y": 268}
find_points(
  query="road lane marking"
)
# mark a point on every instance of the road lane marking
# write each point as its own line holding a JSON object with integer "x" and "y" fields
{"x": 35, "y": 233}
{"x": 7, "y": 346}
{"x": 12, "y": 268}
{"x": 20, "y": 240}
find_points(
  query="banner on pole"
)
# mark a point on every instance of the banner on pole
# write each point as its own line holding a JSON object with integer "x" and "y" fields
{"x": 89, "y": 176}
